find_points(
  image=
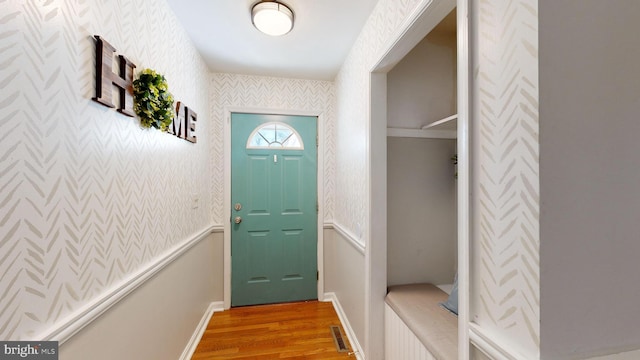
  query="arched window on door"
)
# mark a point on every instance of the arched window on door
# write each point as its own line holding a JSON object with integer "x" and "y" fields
{"x": 275, "y": 135}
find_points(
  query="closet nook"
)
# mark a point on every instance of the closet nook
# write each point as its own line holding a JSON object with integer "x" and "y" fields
{"x": 421, "y": 197}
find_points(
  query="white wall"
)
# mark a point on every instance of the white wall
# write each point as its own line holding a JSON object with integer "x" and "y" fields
{"x": 421, "y": 240}
{"x": 88, "y": 197}
{"x": 589, "y": 176}
{"x": 505, "y": 239}
{"x": 158, "y": 319}
{"x": 343, "y": 274}
{"x": 259, "y": 92}
{"x": 421, "y": 186}
{"x": 422, "y": 86}
{"x": 352, "y": 109}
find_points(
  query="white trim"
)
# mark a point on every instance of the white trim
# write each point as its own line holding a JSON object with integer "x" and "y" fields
{"x": 227, "y": 188}
{"x": 217, "y": 229}
{"x": 353, "y": 340}
{"x": 351, "y": 238}
{"x": 464, "y": 176}
{"x": 320, "y": 198}
{"x": 226, "y": 281}
{"x": 422, "y": 133}
{"x": 188, "y": 351}
{"x": 72, "y": 324}
{"x": 375, "y": 256}
{"x": 425, "y": 16}
{"x": 494, "y": 349}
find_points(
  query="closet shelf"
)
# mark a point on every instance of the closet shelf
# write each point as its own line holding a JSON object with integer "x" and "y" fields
{"x": 420, "y": 133}
{"x": 441, "y": 129}
{"x": 448, "y": 123}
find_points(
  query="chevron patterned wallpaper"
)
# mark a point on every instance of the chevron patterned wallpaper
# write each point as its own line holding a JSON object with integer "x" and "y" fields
{"x": 228, "y": 90}
{"x": 506, "y": 240}
{"x": 88, "y": 197}
{"x": 352, "y": 94}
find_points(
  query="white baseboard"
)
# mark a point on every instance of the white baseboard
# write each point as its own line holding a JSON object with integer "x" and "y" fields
{"x": 215, "y": 306}
{"x": 353, "y": 340}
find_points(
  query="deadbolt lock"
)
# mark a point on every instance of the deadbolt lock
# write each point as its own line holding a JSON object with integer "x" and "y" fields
{"x": 237, "y": 206}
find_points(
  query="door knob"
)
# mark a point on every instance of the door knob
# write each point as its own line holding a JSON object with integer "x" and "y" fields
{"x": 237, "y": 220}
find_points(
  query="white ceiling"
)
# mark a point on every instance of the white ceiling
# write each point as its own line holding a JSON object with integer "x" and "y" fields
{"x": 322, "y": 35}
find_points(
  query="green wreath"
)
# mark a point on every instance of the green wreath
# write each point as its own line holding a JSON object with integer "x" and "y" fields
{"x": 153, "y": 101}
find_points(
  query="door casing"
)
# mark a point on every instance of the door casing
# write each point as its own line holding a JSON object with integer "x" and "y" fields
{"x": 227, "y": 190}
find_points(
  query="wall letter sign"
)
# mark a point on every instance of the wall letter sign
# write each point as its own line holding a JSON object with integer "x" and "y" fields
{"x": 184, "y": 123}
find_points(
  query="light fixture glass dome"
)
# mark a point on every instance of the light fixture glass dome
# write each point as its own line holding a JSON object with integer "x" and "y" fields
{"x": 272, "y": 18}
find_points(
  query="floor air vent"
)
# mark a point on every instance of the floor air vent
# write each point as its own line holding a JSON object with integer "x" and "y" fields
{"x": 338, "y": 338}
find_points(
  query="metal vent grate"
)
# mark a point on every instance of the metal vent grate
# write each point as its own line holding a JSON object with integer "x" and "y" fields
{"x": 338, "y": 338}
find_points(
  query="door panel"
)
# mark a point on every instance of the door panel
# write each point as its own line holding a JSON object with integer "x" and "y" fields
{"x": 274, "y": 247}
{"x": 258, "y": 186}
{"x": 292, "y": 188}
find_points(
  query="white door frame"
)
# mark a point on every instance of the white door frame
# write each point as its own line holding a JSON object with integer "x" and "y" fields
{"x": 227, "y": 190}
{"x": 427, "y": 14}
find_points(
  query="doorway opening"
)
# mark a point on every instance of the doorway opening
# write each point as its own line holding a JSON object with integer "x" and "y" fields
{"x": 435, "y": 125}
{"x": 317, "y": 194}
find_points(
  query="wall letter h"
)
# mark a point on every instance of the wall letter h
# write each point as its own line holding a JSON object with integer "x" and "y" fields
{"x": 105, "y": 77}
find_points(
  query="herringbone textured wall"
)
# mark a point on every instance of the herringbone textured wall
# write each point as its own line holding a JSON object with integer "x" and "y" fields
{"x": 87, "y": 197}
{"x": 506, "y": 240}
{"x": 352, "y": 116}
{"x": 243, "y": 91}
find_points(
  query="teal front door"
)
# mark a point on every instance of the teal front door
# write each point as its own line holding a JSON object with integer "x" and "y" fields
{"x": 274, "y": 209}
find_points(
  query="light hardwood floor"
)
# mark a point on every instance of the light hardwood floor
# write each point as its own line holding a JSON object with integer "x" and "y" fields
{"x": 282, "y": 331}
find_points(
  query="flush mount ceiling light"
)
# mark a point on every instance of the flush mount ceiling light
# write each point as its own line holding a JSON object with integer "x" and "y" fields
{"x": 272, "y": 18}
